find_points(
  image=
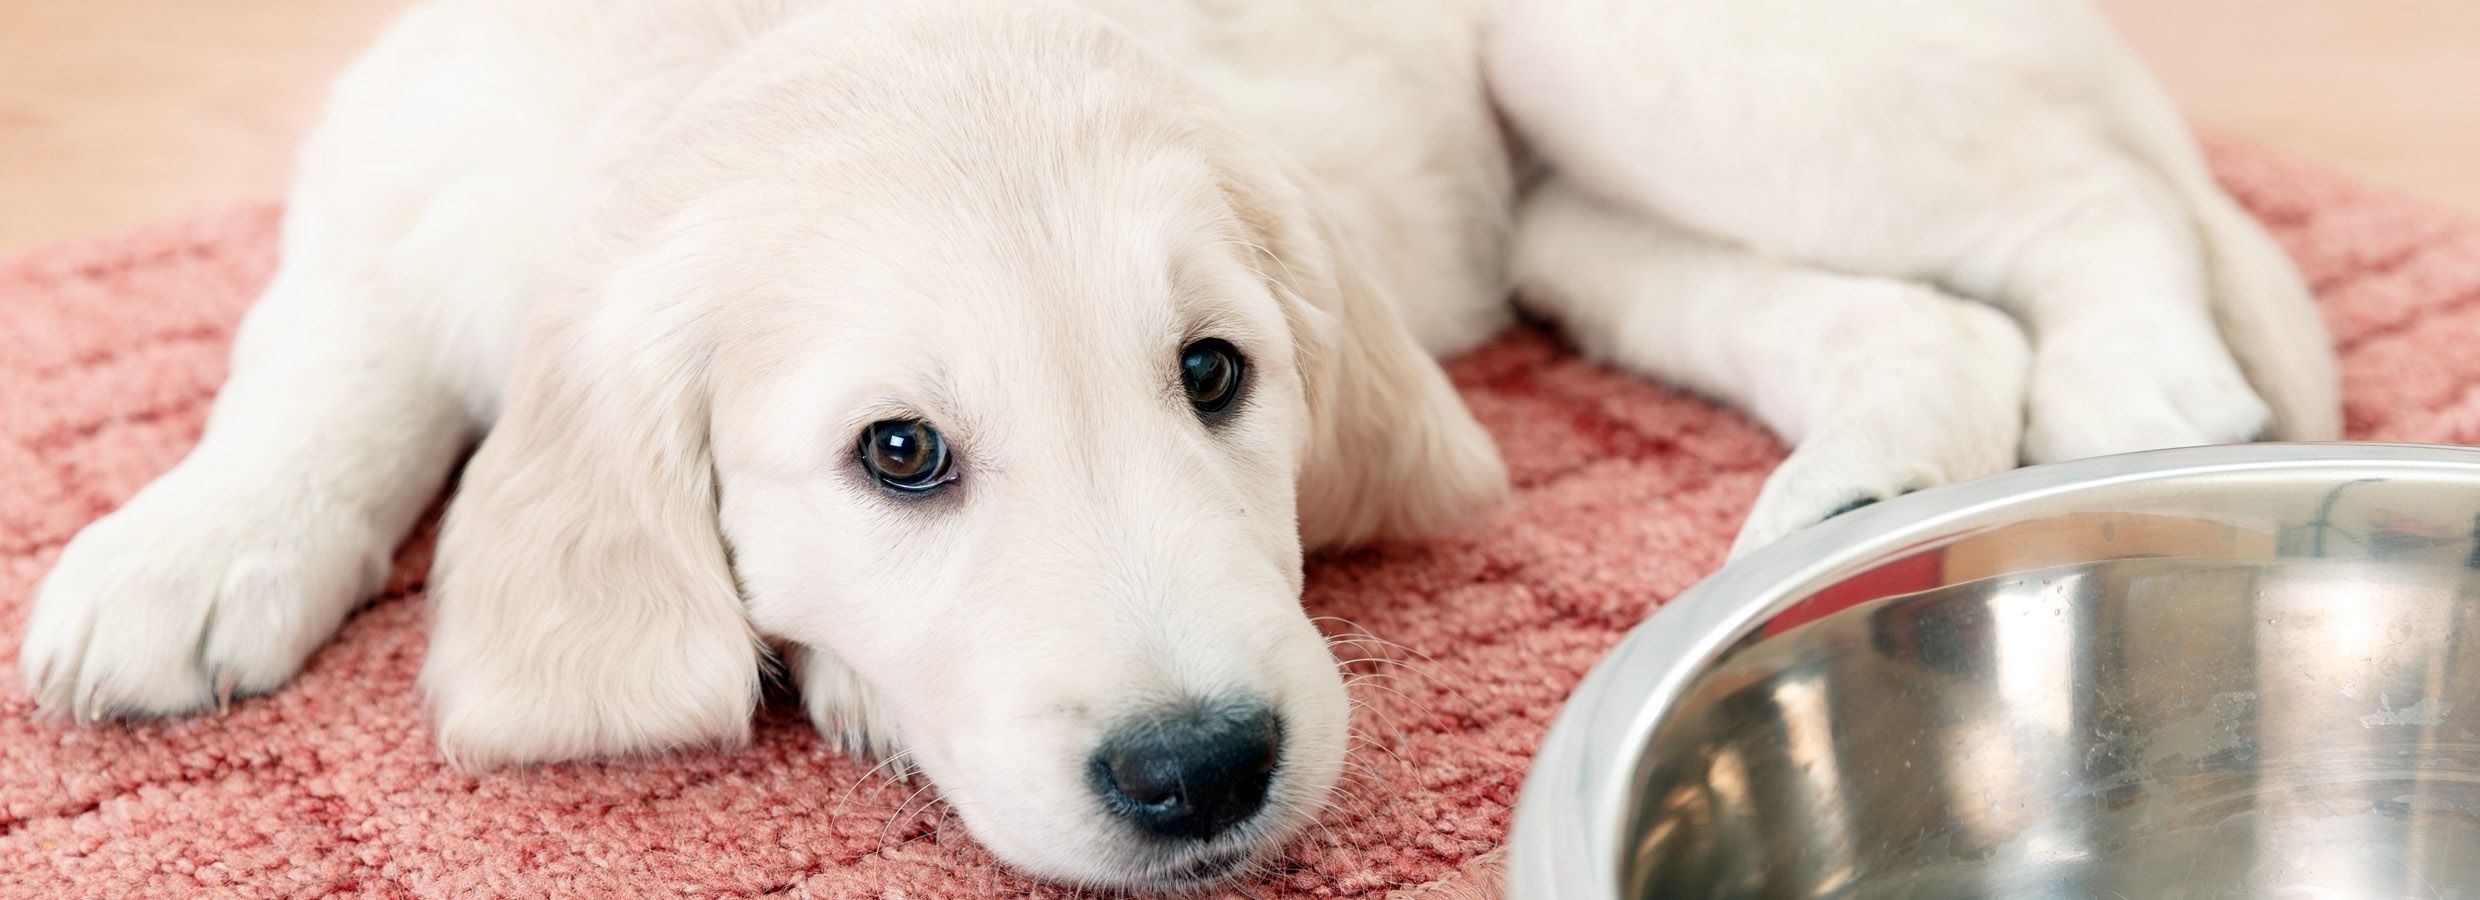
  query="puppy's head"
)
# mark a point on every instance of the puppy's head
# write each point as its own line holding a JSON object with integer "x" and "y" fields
{"x": 974, "y": 355}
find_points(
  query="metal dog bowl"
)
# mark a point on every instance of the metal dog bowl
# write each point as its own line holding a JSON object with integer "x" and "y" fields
{"x": 2220, "y": 672}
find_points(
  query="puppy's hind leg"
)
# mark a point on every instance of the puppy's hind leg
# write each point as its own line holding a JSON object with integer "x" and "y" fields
{"x": 2010, "y": 152}
{"x": 2127, "y": 352}
{"x": 222, "y": 576}
{"x": 1884, "y": 386}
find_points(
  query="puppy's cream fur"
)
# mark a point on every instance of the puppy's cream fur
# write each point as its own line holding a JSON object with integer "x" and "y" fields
{"x": 666, "y": 260}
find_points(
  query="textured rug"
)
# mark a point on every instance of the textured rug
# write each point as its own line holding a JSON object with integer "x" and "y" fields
{"x": 1626, "y": 493}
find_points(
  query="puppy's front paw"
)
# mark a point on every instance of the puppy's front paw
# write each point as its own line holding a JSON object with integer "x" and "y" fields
{"x": 1825, "y": 478}
{"x": 1951, "y": 411}
{"x": 2101, "y": 395}
{"x": 184, "y": 599}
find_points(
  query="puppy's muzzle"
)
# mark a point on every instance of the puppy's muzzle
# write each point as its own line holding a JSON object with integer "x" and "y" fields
{"x": 1191, "y": 772}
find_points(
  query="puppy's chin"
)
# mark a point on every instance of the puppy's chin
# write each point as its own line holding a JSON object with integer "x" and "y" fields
{"x": 1201, "y": 869}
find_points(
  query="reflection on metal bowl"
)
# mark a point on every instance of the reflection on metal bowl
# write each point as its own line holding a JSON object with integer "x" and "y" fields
{"x": 2221, "y": 672}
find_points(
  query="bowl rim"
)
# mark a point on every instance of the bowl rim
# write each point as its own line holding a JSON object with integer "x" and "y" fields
{"x": 1566, "y": 839}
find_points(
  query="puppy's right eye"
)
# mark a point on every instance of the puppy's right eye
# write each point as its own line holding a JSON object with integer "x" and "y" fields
{"x": 906, "y": 455}
{"x": 1211, "y": 372}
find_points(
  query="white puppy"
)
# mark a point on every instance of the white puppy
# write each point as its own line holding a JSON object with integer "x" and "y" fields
{"x": 997, "y": 360}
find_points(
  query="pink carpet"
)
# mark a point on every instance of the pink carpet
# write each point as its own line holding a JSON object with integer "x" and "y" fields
{"x": 1627, "y": 493}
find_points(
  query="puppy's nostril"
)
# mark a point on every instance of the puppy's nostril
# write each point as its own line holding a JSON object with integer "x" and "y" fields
{"x": 1190, "y": 773}
{"x": 1146, "y": 779}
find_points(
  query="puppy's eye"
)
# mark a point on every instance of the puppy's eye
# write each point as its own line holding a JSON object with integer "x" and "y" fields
{"x": 906, "y": 454}
{"x": 1211, "y": 371}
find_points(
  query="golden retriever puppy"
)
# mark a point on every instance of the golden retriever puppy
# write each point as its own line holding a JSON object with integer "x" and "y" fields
{"x": 995, "y": 361}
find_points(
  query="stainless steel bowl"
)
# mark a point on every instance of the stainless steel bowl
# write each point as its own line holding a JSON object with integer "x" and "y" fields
{"x": 2220, "y": 672}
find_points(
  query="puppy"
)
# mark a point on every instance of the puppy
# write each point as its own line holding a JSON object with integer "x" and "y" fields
{"x": 997, "y": 361}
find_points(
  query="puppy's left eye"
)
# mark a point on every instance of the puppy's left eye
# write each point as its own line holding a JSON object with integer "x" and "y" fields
{"x": 906, "y": 454}
{"x": 1211, "y": 371}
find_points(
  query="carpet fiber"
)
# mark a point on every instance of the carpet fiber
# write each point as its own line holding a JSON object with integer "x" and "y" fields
{"x": 1626, "y": 493}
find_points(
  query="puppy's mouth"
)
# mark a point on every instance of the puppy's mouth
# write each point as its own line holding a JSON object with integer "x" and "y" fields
{"x": 1201, "y": 871}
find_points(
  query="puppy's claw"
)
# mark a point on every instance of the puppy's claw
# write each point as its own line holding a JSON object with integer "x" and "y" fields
{"x": 40, "y": 685}
{"x": 1855, "y": 504}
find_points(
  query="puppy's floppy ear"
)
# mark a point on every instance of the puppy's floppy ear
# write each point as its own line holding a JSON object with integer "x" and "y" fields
{"x": 583, "y": 603}
{"x": 1392, "y": 450}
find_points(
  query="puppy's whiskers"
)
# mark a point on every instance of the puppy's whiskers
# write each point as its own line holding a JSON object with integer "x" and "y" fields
{"x": 1289, "y": 281}
{"x": 1361, "y": 633}
{"x": 1376, "y": 683}
{"x": 899, "y": 767}
{"x": 1356, "y": 705}
{"x": 1360, "y": 638}
{"x": 1382, "y": 748}
{"x": 1425, "y": 674}
{"x": 1393, "y": 724}
{"x": 879, "y": 843}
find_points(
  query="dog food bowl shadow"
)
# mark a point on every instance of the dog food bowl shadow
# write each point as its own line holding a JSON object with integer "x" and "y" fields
{"x": 2219, "y": 672}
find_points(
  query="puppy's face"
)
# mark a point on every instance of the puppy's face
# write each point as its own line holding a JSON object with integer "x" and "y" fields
{"x": 1025, "y": 463}
{"x": 1014, "y": 385}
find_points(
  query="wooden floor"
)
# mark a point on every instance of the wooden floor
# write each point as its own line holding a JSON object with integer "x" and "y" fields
{"x": 115, "y": 112}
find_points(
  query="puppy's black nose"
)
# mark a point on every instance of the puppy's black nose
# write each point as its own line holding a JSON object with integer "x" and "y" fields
{"x": 1190, "y": 773}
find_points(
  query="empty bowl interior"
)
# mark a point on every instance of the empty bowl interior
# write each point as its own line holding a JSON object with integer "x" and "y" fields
{"x": 2249, "y": 684}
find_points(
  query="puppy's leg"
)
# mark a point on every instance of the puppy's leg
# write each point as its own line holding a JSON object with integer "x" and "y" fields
{"x": 2163, "y": 314}
{"x": 2011, "y": 152}
{"x": 1885, "y": 386}
{"x": 2112, "y": 285}
{"x": 224, "y": 574}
